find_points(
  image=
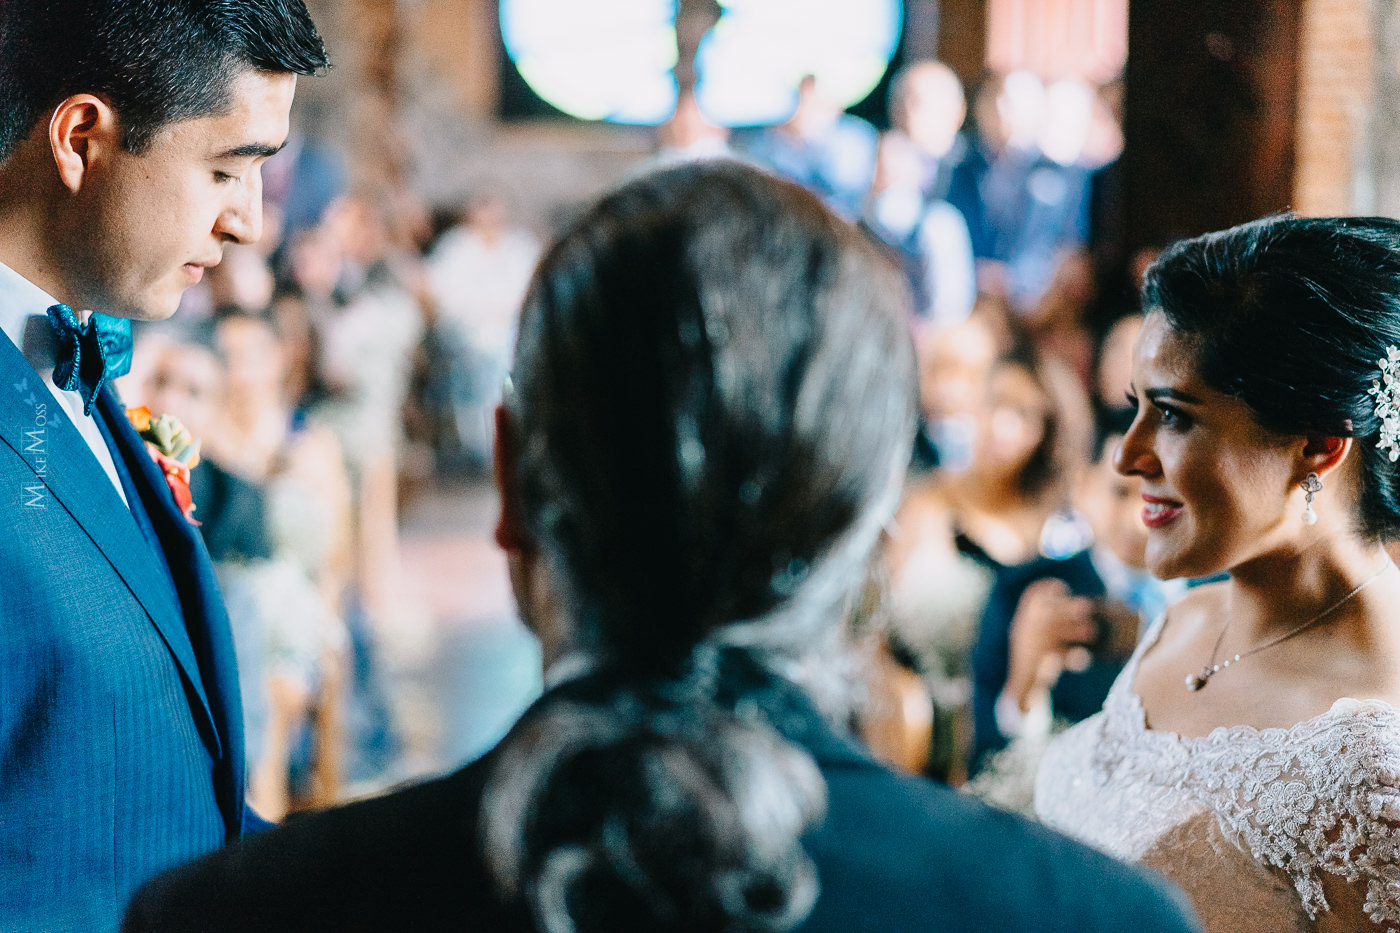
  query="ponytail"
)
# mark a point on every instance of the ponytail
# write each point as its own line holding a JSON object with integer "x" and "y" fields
{"x": 653, "y": 805}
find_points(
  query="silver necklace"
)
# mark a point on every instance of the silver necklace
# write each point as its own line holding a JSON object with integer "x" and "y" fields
{"x": 1195, "y": 682}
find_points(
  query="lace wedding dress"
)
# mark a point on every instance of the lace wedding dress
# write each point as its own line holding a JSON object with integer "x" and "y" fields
{"x": 1247, "y": 821}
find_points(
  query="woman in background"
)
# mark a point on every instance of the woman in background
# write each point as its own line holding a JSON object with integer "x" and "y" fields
{"x": 1250, "y": 750}
{"x": 712, "y": 409}
{"x": 965, "y": 528}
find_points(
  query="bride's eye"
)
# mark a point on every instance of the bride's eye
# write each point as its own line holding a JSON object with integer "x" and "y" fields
{"x": 1170, "y": 417}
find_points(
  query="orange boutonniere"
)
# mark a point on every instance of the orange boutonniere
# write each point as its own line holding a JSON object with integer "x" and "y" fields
{"x": 173, "y": 449}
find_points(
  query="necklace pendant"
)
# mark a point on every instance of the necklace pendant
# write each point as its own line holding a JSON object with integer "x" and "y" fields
{"x": 1195, "y": 682}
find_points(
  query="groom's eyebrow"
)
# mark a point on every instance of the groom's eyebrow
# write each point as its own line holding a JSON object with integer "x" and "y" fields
{"x": 250, "y": 150}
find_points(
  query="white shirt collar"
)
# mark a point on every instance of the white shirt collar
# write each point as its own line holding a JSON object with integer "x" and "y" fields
{"x": 19, "y": 299}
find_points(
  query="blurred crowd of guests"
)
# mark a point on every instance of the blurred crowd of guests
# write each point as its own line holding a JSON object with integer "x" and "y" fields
{"x": 361, "y": 347}
{"x": 1013, "y": 579}
{"x": 357, "y": 350}
{"x": 1015, "y": 197}
{"x": 1016, "y": 581}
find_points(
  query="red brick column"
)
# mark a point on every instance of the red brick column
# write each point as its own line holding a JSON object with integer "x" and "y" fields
{"x": 1337, "y": 58}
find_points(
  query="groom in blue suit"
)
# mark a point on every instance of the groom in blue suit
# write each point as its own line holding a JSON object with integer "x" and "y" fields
{"x": 131, "y": 140}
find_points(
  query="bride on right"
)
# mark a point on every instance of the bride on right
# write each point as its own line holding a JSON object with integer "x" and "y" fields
{"x": 1250, "y": 750}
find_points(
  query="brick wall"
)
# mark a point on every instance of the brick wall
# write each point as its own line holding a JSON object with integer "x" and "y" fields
{"x": 1336, "y": 100}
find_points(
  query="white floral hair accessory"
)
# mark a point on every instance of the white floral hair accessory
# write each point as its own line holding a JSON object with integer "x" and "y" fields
{"x": 1386, "y": 389}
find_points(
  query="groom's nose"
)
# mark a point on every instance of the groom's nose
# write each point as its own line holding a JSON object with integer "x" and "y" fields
{"x": 241, "y": 219}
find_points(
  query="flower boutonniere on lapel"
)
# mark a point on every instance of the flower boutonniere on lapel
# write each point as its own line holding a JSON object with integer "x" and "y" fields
{"x": 174, "y": 451}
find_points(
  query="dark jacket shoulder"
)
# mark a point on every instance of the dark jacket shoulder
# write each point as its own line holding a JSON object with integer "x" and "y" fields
{"x": 406, "y": 860}
{"x": 893, "y": 853}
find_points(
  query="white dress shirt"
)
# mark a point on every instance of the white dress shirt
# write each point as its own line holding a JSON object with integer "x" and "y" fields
{"x": 21, "y": 299}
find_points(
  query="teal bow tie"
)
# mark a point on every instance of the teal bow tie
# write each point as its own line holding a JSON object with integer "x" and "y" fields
{"x": 86, "y": 357}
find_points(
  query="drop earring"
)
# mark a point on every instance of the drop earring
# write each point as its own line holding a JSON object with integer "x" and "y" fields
{"x": 1312, "y": 485}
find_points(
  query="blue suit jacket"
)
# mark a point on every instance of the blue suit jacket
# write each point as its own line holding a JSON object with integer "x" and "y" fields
{"x": 121, "y": 746}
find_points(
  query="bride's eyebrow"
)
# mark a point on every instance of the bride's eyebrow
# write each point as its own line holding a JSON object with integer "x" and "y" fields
{"x": 1172, "y": 395}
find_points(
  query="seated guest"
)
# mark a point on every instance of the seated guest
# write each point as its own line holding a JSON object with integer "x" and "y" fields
{"x": 1056, "y": 633}
{"x": 186, "y": 380}
{"x": 284, "y": 633}
{"x": 958, "y": 533}
{"x": 711, "y": 413}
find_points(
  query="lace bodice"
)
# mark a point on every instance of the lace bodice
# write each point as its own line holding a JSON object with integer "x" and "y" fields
{"x": 1245, "y": 820}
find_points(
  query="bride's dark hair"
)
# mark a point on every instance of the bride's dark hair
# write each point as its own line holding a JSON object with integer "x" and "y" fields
{"x": 1292, "y": 316}
{"x": 712, "y": 407}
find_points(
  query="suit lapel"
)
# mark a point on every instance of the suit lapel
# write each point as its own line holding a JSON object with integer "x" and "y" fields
{"x": 207, "y": 624}
{"x": 36, "y": 428}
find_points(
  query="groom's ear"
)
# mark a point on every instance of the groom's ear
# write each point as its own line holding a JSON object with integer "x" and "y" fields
{"x": 84, "y": 129}
{"x": 510, "y": 529}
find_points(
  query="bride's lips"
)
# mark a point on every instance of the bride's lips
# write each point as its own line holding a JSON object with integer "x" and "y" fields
{"x": 1159, "y": 512}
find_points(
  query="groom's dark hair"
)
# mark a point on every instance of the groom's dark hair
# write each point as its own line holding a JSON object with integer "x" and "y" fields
{"x": 156, "y": 61}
